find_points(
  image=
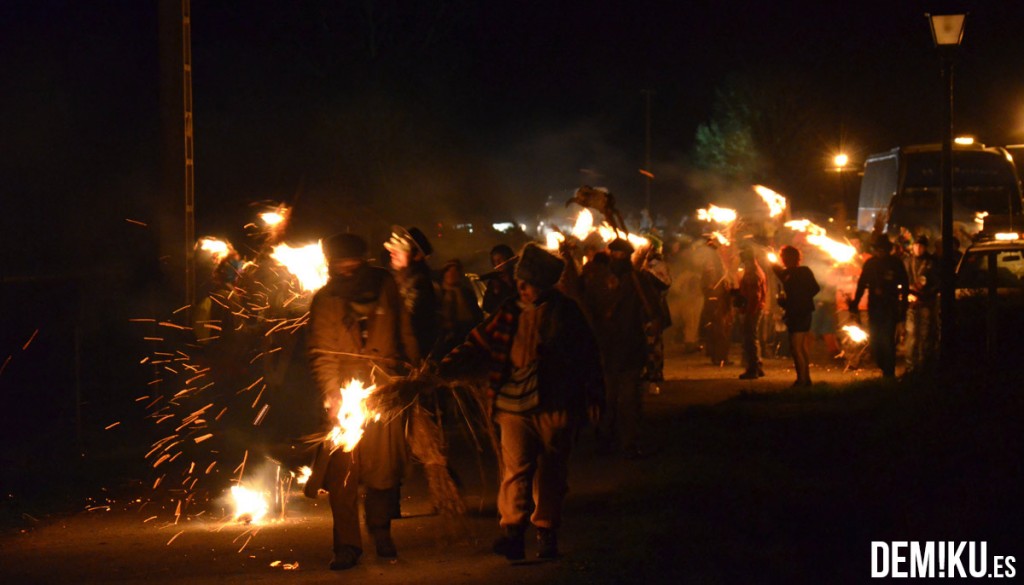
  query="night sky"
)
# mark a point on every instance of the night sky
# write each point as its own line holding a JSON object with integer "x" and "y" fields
{"x": 418, "y": 112}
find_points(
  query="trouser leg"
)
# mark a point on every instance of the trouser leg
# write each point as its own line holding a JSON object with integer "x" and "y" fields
{"x": 551, "y": 483}
{"x": 342, "y": 484}
{"x": 519, "y": 446}
{"x": 751, "y": 342}
{"x": 378, "y": 509}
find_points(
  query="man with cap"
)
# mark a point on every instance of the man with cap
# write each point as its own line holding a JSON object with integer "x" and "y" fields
{"x": 544, "y": 378}
{"x": 619, "y": 304}
{"x": 922, "y": 322}
{"x": 357, "y": 322}
{"x": 885, "y": 280}
{"x": 409, "y": 249}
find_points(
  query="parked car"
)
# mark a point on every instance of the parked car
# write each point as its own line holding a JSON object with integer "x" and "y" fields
{"x": 990, "y": 292}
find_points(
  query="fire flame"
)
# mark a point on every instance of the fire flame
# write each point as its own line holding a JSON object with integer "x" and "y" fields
{"x": 250, "y": 506}
{"x": 272, "y": 218}
{"x": 307, "y": 263}
{"x": 720, "y": 238}
{"x": 353, "y": 414}
{"x": 776, "y": 203}
{"x": 720, "y": 215}
{"x": 979, "y": 218}
{"x": 773, "y": 257}
{"x": 816, "y": 236}
{"x": 218, "y": 249}
{"x": 554, "y": 240}
{"x": 855, "y": 333}
{"x": 584, "y": 224}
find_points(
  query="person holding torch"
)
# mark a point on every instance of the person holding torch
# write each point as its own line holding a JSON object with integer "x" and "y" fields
{"x": 357, "y": 320}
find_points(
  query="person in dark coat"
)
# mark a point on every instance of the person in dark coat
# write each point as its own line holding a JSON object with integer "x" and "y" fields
{"x": 923, "y": 312}
{"x": 619, "y": 304}
{"x": 501, "y": 282}
{"x": 797, "y": 300}
{"x": 885, "y": 280}
{"x": 545, "y": 381}
{"x": 357, "y": 321}
{"x": 409, "y": 249}
{"x": 460, "y": 312}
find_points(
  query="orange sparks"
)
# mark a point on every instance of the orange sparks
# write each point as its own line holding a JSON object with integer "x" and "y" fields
{"x": 203, "y": 438}
{"x": 30, "y": 339}
{"x": 110, "y": 426}
{"x": 136, "y": 222}
{"x": 173, "y": 537}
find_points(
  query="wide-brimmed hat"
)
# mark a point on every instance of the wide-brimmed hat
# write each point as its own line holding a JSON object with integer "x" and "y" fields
{"x": 539, "y": 267}
{"x": 409, "y": 240}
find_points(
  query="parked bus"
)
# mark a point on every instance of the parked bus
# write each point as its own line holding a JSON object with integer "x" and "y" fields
{"x": 902, "y": 188}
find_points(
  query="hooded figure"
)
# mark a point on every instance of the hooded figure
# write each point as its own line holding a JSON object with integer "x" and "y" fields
{"x": 357, "y": 321}
{"x": 545, "y": 380}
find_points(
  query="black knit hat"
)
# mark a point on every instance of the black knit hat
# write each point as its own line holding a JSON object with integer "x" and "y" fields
{"x": 538, "y": 267}
{"x": 341, "y": 246}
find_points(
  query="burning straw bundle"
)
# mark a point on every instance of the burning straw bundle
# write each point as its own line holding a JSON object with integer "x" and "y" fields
{"x": 417, "y": 399}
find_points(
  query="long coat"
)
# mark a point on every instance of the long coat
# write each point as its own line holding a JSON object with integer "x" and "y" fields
{"x": 363, "y": 315}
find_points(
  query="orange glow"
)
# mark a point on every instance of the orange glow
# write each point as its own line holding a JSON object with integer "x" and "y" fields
{"x": 307, "y": 263}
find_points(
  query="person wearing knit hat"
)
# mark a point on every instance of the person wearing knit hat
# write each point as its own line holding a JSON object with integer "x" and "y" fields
{"x": 358, "y": 312}
{"x": 545, "y": 381}
{"x": 538, "y": 267}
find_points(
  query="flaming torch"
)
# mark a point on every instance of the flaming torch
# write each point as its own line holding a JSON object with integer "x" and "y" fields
{"x": 776, "y": 203}
{"x": 817, "y": 237}
{"x": 353, "y": 414}
{"x": 307, "y": 263}
{"x": 719, "y": 215}
{"x": 218, "y": 249}
{"x": 855, "y": 333}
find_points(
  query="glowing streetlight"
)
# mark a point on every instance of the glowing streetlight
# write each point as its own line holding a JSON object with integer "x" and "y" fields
{"x": 947, "y": 32}
{"x": 841, "y": 160}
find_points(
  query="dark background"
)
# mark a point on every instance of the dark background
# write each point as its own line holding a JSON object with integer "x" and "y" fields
{"x": 363, "y": 114}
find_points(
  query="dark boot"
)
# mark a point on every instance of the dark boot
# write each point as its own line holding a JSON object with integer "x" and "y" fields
{"x": 345, "y": 558}
{"x": 511, "y": 544}
{"x": 385, "y": 546}
{"x": 547, "y": 543}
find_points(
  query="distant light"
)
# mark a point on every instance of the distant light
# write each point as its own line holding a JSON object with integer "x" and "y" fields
{"x": 964, "y": 140}
{"x": 841, "y": 160}
{"x": 503, "y": 226}
{"x": 1007, "y": 236}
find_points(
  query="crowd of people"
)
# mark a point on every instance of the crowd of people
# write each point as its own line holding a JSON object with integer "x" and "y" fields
{"x": 575, "y": 337}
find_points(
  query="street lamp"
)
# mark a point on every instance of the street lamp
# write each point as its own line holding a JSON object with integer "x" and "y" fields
{"x": 947, "y": 32}
{"x": 840, "y": 162}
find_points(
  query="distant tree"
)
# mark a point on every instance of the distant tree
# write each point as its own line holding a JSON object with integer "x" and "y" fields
{"x": 767, "y": 128}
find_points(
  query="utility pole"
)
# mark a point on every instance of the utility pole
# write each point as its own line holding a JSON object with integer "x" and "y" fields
{"x": 190, "y": 195}
{"x": 647, "y": 150}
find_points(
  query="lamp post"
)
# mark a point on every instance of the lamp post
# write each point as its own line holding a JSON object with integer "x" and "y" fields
{"x": 947, "y": 32}
{"x": 841, "y": 161}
